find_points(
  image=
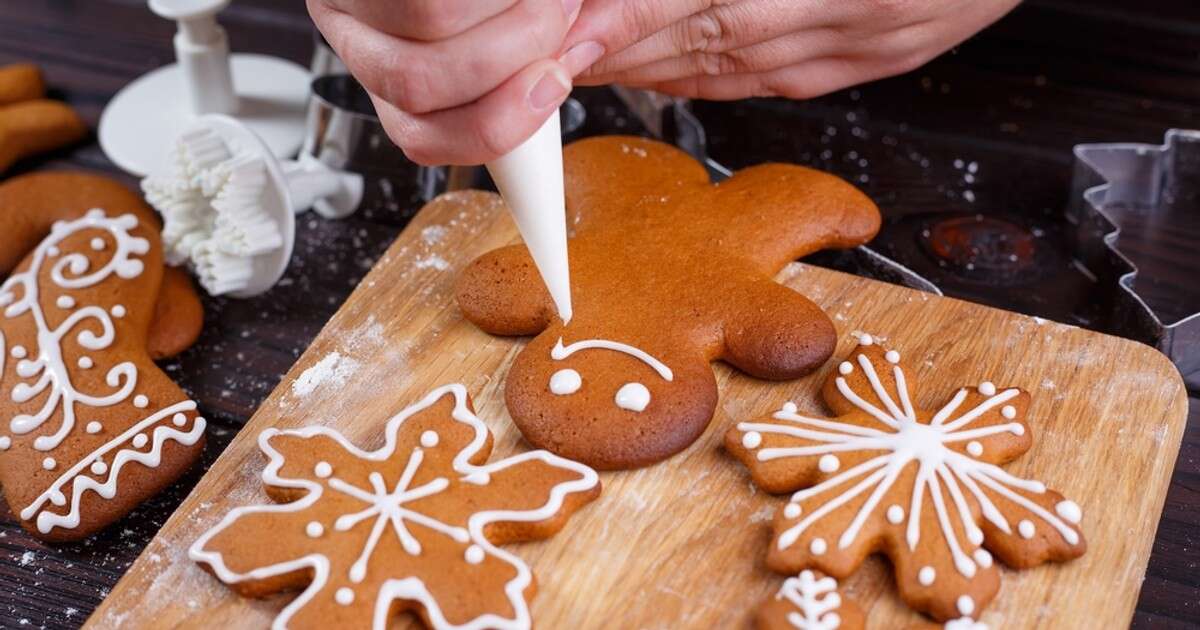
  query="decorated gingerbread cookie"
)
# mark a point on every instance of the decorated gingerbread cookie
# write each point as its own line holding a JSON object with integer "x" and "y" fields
{"x": 809, "y": 601}
{"x": 29, "y": 122}
{"x": 414, "y": 525}
{"x": 668, "y": 273}
{"x": 923, "y": 486}
{"x": 89, "y": 426}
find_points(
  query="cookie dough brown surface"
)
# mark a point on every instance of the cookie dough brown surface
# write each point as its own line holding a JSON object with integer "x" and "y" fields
{"x": 90, "y": 424}
{"x": 676, "y": 267}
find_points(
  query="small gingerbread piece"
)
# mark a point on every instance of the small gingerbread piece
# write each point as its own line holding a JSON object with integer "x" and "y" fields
{"x": 89, "y": 426}
{"x": 922, "y": 486}
{"x": 20, "y": 82}
{"x": 29, "y": 123}
{"x": 412, "y": 526}
{"x": 668, "y": 273}
{"x": 809, "y": 601}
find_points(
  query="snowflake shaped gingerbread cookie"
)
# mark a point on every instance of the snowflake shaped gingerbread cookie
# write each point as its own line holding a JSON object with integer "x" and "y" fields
{"x": 89, "y": 426}
{"x": 809, "y": 601}
{"x": 923, "y": 486}
{"x": 668, "y": 273}
{"x": 412, "y": 526}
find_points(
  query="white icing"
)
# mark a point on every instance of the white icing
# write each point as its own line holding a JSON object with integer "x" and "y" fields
{"x": 179, "y": 420}
{"x": 118, "y": 311}
{"x": 865, "y": 340}
{"x": 987, "y": 388}
{"x": 983, "y": 558}
{"x": 429, "y": 439}
{"x": 565, "y": 381}
{"x": 964, "y": 623}
{"x": 49, "y": 463}
{"x": 140, "y": 440}
{"x": 97, "y": 244}
{"x": 559, "y": 352}
{"x": 314, "y": 529}
{"x": 892, "y": 356}
{"x": 818, "y": 546}
{"x": 410, "y": 588}
{"x": 829, "y": 463}
{"x": 322, "y": 469}
{"x": 845, "y": 367}
{"x": 474, "y": 554}
{"x": 94, "y": 427}
{"x": 898, "y": 441}
{"x": 815, "y": 601}
{"x": 71, "y": 271}
{"x": 140, "y": 401}
{"x": 965, "y": 605}
{"x": 65, "y": 302}
{"x": 1008, "y": 411}
{"x": 752, "y": 439}
{"x": 975, "y": 448}
{"x": 926, "y": 575}
{"x": 18, "y": 352}
{"x": 344, "y": 596}
{"x": 1026, "y": 529}
{"x": 792, "y": 510}
{"x": 5, "y": 442}
{"x": 85, "y": 363}
{"x": 633, "y": 397}
{"x": 98, "y": 467}
{"x": 1069, "y": 510}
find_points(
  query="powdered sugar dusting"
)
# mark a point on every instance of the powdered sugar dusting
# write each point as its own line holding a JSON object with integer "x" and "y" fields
{"x": 433, "y": 261}
{"x": 333, "y": 370}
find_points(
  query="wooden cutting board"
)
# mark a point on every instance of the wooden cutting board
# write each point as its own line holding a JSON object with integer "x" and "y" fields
{"x": 681, "y": 544}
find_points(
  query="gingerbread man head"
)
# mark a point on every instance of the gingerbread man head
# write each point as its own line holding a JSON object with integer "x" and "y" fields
{"x": 89, "y": 426}
{"x": 668, "y": 273}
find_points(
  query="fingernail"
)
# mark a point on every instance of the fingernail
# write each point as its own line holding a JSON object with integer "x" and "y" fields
{"x": 549, "y": 90}
{"x": 581, "y": 56}
{"x": 570, "y": 7}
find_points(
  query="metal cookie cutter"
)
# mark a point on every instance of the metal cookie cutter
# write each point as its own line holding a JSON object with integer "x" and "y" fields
{"x": 669, "y": 119}
{"x": 1153, "y": 179}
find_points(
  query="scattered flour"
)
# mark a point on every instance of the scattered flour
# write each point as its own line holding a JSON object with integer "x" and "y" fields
{"x": 27, "y": 558}
{"x": 432, "y": 262}
{"x": 765, "y": 514}
{"x": 433, "y": 234}
{"x": 333, "y": 370}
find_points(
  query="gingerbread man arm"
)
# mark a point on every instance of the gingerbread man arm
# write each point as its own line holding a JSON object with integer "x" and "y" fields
{"x": 775, "y": 333}
{"x": 523, "y": 307}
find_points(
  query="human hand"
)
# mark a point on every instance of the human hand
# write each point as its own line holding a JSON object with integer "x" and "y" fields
{"x": 454, "y": 81}
{"x": 729, "y": 49}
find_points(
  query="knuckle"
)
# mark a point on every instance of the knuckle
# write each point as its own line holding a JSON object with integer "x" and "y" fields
{"x": 715, "y": 64}
{"x": 433, "y": 19}
{"x": 495, "y": 139}
{"x": 408, "y": 89}
{"x": 891, "y": 8}
{"x": 702, "y": 32}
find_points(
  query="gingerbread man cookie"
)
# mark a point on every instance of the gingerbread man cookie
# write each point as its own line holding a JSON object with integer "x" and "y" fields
{"x": 29, "y": 122}
{"x": 668, "y": 273}
{"x": 809, "y": 601}
{"x": 89, "y": 426}
{"x": 412, "y": 526}
{"x": 923, "y": 486}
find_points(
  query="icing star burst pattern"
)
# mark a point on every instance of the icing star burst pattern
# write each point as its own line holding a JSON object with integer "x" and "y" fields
{"x": 925, "y": 487}
{"x": 413, "y": 525}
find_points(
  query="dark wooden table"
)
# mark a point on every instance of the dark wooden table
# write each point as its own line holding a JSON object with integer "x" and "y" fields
{"x": 1014, "y": 100}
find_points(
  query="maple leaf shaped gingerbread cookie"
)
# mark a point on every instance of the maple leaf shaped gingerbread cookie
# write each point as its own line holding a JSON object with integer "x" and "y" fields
{"x": 668, "y": 273}
{"x": 412, "y": 526}
{"x": 924, "y": 487}
{"x": 89, "y": 426}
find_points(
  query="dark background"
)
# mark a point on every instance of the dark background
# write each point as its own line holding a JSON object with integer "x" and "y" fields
{"x": 1013, "y": 100}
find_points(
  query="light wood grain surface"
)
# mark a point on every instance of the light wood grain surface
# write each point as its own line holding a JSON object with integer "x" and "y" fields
{"x": 681, "y": 544}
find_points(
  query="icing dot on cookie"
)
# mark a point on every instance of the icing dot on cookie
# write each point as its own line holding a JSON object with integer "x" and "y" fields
{"x": 975, "y": 535}
{"x": 429, "y": 439}
{"x": 818, "y": 546}
{"x": 474, "y": 554}
{"x": 892, "y": 356}
{"x": 926, "y": 576}
{"x": 99, "y": 467}
{"x": 140, "y": 401}
{"x": 5, "y": 442}
{"x": 987, "y": 388}
{"x": 975, "y": 448}
{"x": 565, "y": 381}
{"x": 17, "y": 352}
{"x": 93, "y": 427}
{"x": 983, "y": 558}
{"x": 845, "y": 367}
{"x": 65, "y": 301}
{"x": 179, "y": 420}
{"x": 140, "y": 440}
{"x": 85, "y": 363}
{"x": 752, "y": 439}
{"x": 1025, "y": 528}
{"x": 1018, "y": 428}
{"x": 829, "y": 463}
{"x": 314, "y": 529}
{"x": 633, "y": 396}
{"x": 865, "y": 340}
{"x": 97, "y": 244}
{"x": 895, "y": 514}
{"x": 966, "y": 605}
{"x": 49, "y": 463}
{"x": 1069, "y": 510}
{"x": 118, "y": 311}
{"x": 792, "y": 510}
{"x": 478, "y": 478}
{"x": 322, "y": 469}
{"x": 789, "y": 407}
{"x": 1008, "y": 411}
{"x": 344, "y": 596}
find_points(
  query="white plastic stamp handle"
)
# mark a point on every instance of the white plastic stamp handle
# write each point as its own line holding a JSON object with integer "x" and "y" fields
{"x": 202, "y": 50}
{"x": 530, "y": 179}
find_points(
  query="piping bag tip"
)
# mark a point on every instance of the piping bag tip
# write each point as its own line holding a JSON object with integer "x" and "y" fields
{"x": 530, "y": 179}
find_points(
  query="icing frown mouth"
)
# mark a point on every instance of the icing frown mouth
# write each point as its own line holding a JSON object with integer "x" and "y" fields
{"x": 632, "y": 396}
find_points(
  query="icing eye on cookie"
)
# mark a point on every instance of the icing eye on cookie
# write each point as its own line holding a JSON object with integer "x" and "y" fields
{"x": 632, "y": 396}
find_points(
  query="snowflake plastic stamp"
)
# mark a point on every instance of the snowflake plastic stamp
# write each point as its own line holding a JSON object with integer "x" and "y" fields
{"x": 924, "y": 487}
{"x": 413, "y": 526}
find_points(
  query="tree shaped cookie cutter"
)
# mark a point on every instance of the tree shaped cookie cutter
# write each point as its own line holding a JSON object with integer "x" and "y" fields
{"x": 1148, "y": 175}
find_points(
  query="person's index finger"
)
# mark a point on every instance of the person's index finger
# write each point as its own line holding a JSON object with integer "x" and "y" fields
{"x": 422, "y": 20}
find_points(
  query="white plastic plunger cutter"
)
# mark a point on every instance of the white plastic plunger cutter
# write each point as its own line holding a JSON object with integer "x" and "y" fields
{"x": 530, "y": 179}
{"x": 267, "y": 94}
